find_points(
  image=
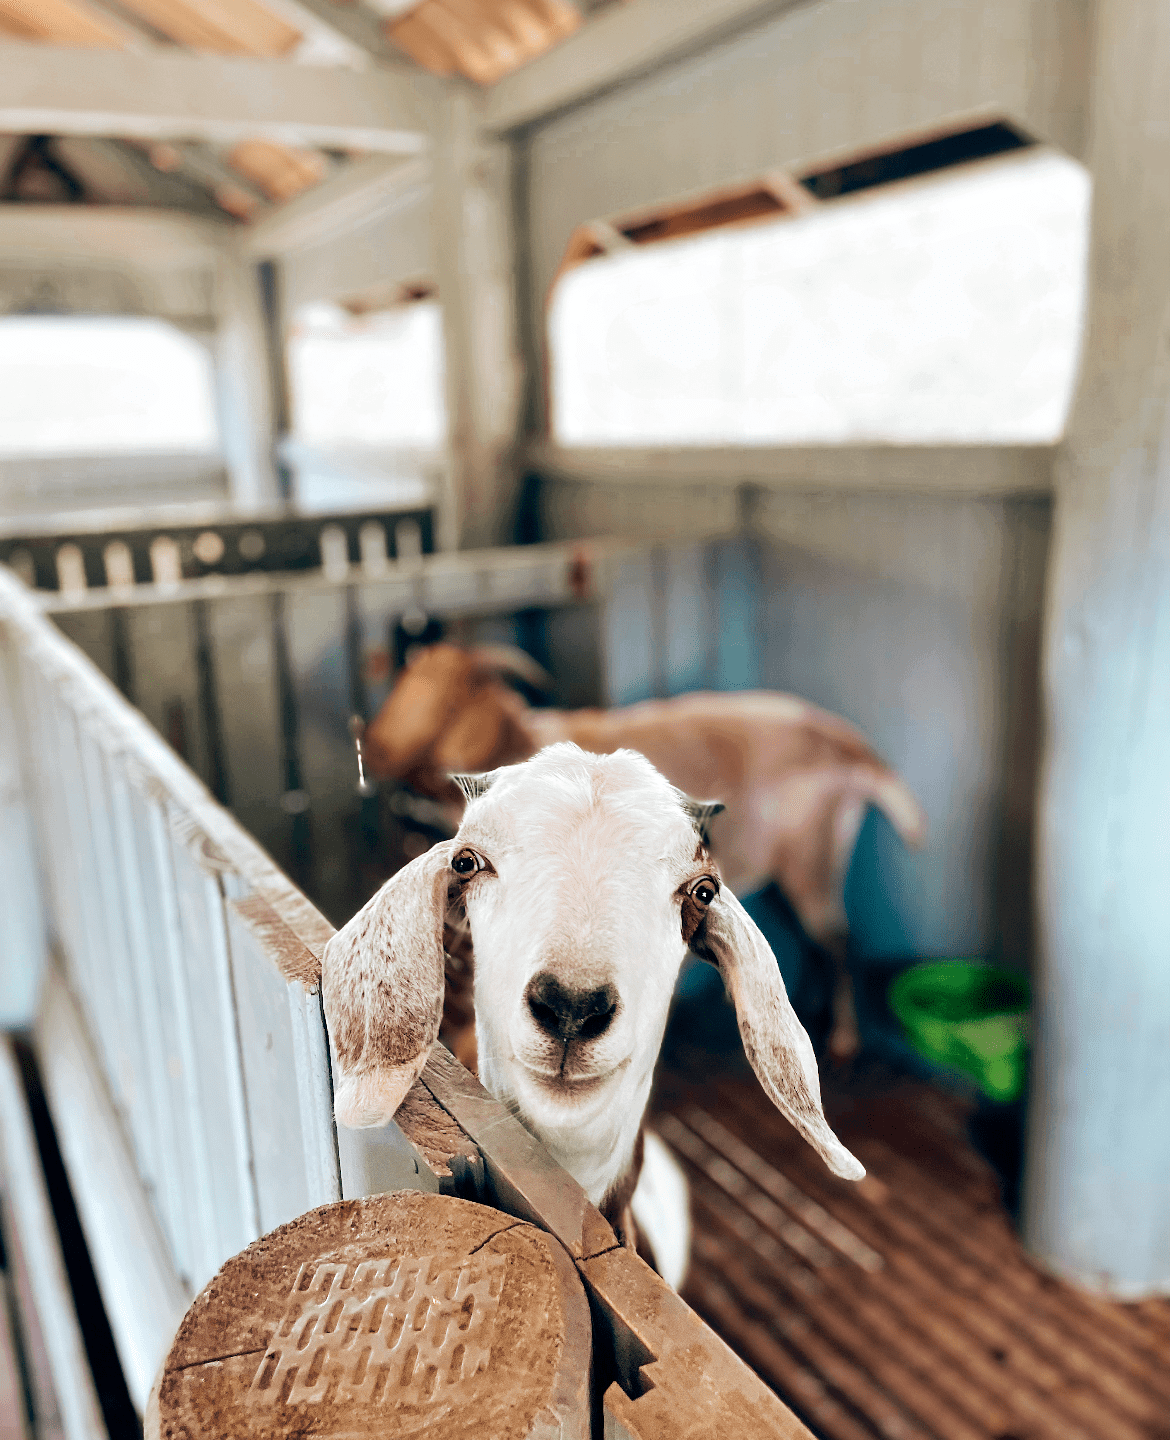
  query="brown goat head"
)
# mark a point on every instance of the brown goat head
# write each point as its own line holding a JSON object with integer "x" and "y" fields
{"x": 449, "y": 710}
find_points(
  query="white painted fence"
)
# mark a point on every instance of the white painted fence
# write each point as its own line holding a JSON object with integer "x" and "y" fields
{"x": 187, "y": 1072}
{"x": 167, "y": 966}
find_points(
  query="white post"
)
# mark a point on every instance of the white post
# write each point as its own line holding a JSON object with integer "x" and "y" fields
{"x": 474, "y": 247}
{"x": 244, "y": 386}
{"x": 1097, "y": 1185}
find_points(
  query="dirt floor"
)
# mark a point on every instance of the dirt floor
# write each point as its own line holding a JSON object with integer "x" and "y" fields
{"x": 903, "y": 1306}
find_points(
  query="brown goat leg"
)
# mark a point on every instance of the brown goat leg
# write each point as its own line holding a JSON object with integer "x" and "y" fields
{"x": 844, "y": 1037}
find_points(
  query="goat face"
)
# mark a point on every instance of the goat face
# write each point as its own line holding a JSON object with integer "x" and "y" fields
{"x": 584, "y": 880}
{"x": 580, "y": 875}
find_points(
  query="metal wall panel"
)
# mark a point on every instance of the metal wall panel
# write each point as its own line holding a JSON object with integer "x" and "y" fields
{"x": 247, "y": 700}
{"x": 163, "y": 647}
{"x": 817, "y": 81}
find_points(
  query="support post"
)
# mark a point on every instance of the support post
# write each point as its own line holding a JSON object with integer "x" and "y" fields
{"x": 474, "y": 246}
{"x": 244, "y": 384}
{"x": 1097, "y": 1182}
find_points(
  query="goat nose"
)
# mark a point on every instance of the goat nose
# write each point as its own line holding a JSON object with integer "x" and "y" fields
{"x": 567, "y": 1014}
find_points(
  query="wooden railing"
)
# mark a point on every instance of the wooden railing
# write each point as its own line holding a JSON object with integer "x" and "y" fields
{"x": 185, "y": 1057}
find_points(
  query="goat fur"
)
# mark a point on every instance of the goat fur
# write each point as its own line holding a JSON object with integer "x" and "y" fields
{"x": 588, "y": 871}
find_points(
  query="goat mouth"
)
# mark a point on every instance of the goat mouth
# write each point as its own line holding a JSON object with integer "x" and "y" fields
{"x": 570, "y": 1085}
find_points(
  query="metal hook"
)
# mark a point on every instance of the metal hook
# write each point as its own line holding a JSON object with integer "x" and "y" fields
{"x": 357, "y": 728}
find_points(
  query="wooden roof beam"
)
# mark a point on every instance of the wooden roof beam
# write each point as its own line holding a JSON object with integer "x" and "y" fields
{"x": 358, "y": 26}
{"x": 616, "y": 44}
{"x": 178, "y": 96}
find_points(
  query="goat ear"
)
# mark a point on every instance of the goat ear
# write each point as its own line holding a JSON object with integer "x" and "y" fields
{"x": 473, "y": 786}
{"x": 382, "y": 980}
{"x": 776, "y": 1043}
{"x": 511, "y": 660}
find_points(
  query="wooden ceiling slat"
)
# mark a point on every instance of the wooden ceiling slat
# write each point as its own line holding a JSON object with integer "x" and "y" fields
{"x": 423, "y": 46}
{"x": 472, "y": 58}
{"x": 483, "y": 39}
{"x": 480, "y": 20}
{"x": 560, "y": 17}
{"x": 225, "y": 27}
{"x": 59, "y": 22}
{"x": 280, "y": 171}
{"x": 530, "y": 33}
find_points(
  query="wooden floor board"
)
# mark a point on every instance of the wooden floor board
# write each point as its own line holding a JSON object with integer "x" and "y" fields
{"x": 982, "y": 1258}
{"x": 902, "y": 1308}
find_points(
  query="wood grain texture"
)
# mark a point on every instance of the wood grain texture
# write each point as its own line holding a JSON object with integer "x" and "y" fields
{"x": 930, "y": 1321}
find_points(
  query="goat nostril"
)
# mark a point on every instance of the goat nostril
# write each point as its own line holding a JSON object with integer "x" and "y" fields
{"x": 596, "y": 1024}
{"x": 545, "y": 1016}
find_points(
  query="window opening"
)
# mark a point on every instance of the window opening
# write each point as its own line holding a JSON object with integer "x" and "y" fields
{"x": 368, "y": 377}
{"x": 945, "y": 310}
{"x": 775, "y": 194}
{"x": 88, "y": 385}
{"x": 941, "y": 153}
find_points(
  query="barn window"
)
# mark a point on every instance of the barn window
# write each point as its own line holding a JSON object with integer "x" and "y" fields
{"x": 940, "y": 309}
{"x": 369, "y": 377}
{"x": 78, "y": 385}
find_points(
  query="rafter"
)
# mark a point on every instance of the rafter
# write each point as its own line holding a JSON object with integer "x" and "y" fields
{"x": 359, "y": 26}
{"x": 162, "y": 95}
{"x": 617, "y": 43}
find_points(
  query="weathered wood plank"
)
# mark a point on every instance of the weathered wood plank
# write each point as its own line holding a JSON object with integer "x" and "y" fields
{"x": 27, "y": 1208}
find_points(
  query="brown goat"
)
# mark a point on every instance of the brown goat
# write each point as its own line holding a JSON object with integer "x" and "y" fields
{"x": 796, "y": 780}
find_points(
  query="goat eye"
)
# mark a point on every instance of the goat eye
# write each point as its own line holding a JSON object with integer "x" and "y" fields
{"x": 705, "y": 890}
{"x": 467, "y": 862}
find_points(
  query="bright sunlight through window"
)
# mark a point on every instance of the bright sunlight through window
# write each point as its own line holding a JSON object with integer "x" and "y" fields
{"x": 942, "y": 310}
{"x": 87, "y": 385}
{"x": 374, "y": 380}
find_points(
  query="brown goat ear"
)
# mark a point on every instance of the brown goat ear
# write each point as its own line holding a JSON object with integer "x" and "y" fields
{"x": 776, "y": 1043}
{"x": 510, "y": 660}
{"x": 382, "y": 986}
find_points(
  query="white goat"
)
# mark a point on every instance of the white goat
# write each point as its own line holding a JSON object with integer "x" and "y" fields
{"x": 585, "y": 880}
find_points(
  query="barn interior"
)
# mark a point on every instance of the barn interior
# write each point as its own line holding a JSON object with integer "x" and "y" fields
{"x": 810, "y": 346}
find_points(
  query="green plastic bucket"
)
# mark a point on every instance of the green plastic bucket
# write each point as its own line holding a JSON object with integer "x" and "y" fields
{"x": 969, "y": 1015}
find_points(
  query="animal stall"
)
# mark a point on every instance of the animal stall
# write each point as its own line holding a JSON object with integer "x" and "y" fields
{"x": 187, "y": 1067}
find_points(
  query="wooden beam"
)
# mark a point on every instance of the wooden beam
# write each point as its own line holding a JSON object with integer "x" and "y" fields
{"x": 181, "y": 96}
{"x": 971, "y": 470}
{"x": 149, "y": 239}
{"x": 1097, "y": 1177}
{"x": 247, "y": 392}
{"x": 618, "y": 43}
{"x": 360, "y": 27}
{"x": 359, "y": 193}
{"x": 475, "y": 268}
